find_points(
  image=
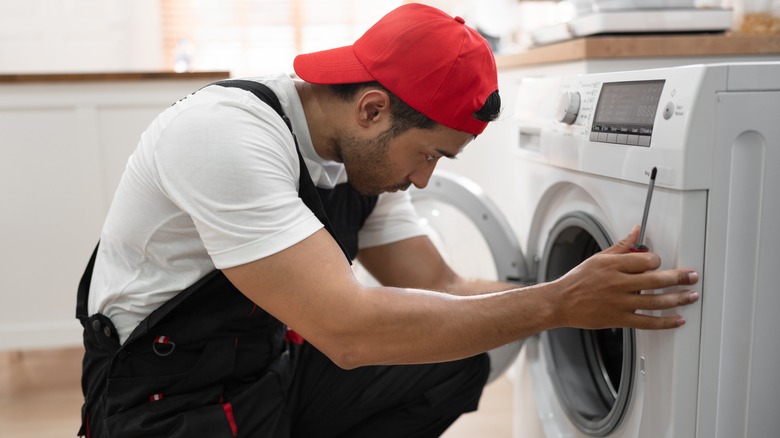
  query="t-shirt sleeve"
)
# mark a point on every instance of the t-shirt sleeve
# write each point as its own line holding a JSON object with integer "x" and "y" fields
{"x": 233, "y": 169}
{"x": 393, "y": 219}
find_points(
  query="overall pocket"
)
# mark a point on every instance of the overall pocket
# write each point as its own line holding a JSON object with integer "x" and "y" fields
{"x": 141, "y": 401}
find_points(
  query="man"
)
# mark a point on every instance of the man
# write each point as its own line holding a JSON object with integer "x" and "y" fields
{"x": 214, "y": 247}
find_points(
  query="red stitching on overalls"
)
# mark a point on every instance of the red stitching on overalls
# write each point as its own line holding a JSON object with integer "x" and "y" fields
{"x": 293, "y": 337}
{"x": 228, "y": 408}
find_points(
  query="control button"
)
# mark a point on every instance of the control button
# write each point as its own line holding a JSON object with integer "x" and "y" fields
{"x": 669, "y": 110}
{"x": 594, "y": 136}
{"x": 96, "y": 325}
{"x": 632, "y": 140}
{"x": 603, "y": 137}
{"x": 107, "y": 331}
{"x": 568, "y": 107}
{"x": 611, "y": 138}
{"x": 621, "y": 138}
{"x": 644, "y": 140}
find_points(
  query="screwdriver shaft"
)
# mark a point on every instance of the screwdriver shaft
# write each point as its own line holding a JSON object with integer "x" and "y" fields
{"x": 647, "y": 206}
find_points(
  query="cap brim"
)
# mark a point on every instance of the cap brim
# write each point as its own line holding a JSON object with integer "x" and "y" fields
{"x": 334, "y": 66}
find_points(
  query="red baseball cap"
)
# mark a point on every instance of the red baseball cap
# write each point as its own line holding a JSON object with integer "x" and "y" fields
{"x": 430, "y": 60}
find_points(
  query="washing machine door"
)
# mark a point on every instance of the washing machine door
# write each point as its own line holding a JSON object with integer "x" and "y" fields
{"x": 474, "y": 238}
{"x": 591, "y": 371}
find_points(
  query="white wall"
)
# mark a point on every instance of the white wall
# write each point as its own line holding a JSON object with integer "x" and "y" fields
{"x": 75, "y": 36}
{"x": 54, "y": 36}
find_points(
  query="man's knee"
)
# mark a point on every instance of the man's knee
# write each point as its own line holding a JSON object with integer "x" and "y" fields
{"x": 461, "y": 392}
{"x": 477, "y": 372}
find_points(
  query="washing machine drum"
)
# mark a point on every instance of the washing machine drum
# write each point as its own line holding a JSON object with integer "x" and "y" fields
{"x": 591, "y": 370}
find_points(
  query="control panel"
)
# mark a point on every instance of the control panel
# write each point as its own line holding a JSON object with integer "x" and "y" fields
{"x": 625, "y": 112}
{"x": 621, "y": 124}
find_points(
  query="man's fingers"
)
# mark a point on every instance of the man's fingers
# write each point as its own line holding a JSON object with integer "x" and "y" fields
{"x": 653, "y": 280}
{"x": 687, "y": 277}
{"x": 624, "y": 245}
{"x": 662, "y": 301}
{"x": 605, "y": 290}
{"x": 637, "y": 262}
{"x": 646, "y": 322}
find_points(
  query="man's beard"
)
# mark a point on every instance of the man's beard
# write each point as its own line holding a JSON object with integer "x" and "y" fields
{"x": 367, "y": 163}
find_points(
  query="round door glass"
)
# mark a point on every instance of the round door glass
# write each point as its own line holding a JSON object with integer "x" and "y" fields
{"x": 591, "y": 369}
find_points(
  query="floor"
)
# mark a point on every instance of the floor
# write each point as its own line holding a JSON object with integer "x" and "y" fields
{"x": 40, "y": 397}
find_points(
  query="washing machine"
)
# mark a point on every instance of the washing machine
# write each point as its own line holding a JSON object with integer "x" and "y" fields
{"x": 586, "y": 146}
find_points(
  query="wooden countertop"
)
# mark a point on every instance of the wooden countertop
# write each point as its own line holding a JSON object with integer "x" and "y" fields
{"x": 643, "y": 46}
{"x": 105, "y": 77}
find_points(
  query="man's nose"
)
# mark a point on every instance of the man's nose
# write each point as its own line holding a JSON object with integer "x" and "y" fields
{"x": 422, "y": 175}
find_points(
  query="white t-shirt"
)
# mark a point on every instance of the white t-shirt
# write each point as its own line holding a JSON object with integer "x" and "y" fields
{"x": 212, "y": 184}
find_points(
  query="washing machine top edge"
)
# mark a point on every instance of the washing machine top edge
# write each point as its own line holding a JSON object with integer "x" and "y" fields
{"x": 622, "y": 124}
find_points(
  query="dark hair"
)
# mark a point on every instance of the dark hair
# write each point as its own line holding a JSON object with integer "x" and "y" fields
{"x": 404, "y": 116}
{"x": 491, "y": 109}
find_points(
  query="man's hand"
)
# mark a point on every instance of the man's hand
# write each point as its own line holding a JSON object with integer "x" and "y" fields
{"x": 603, "y": 291}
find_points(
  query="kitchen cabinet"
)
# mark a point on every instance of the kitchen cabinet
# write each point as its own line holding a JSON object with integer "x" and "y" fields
{"x": 64, "y": 142}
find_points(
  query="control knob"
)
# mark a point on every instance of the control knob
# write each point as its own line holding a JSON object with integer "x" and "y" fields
{"x": 568, "y": 107}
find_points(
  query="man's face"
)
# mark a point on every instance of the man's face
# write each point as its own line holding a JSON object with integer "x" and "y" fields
{"x": 385, "y": 164}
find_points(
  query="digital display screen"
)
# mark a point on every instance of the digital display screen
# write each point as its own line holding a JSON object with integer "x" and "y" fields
{"x": 628, "y": 108}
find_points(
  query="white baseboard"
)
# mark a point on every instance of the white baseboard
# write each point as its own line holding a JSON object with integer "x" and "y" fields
{"x": 38, "y": 335}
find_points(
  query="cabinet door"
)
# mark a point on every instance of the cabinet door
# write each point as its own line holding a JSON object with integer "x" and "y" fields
{"x": 63, "y": 148}
{"x": 51, "y": 214}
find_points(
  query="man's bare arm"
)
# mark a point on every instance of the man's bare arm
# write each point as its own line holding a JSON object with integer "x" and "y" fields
{"x": 311, "y": 288}
{"x": 417, "y": 263}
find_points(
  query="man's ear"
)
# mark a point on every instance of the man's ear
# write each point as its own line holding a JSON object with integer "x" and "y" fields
{"x": 373, "y": 108}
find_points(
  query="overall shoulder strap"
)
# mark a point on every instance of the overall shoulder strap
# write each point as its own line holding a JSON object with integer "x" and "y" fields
{"x": 262, "y": 92}
{"x": 307, "y": 191}
{"x": 82, "y": 296}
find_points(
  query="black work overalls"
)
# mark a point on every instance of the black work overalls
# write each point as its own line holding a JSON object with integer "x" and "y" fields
{"x": 210, "y": 363}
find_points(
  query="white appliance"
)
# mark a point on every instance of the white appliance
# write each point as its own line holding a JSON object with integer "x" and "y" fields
{"x": 713, "y": 132}
{"x": 594, "y": 17}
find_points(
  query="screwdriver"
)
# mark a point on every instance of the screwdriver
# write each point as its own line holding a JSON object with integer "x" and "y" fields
{"x": 639, "y": 246}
